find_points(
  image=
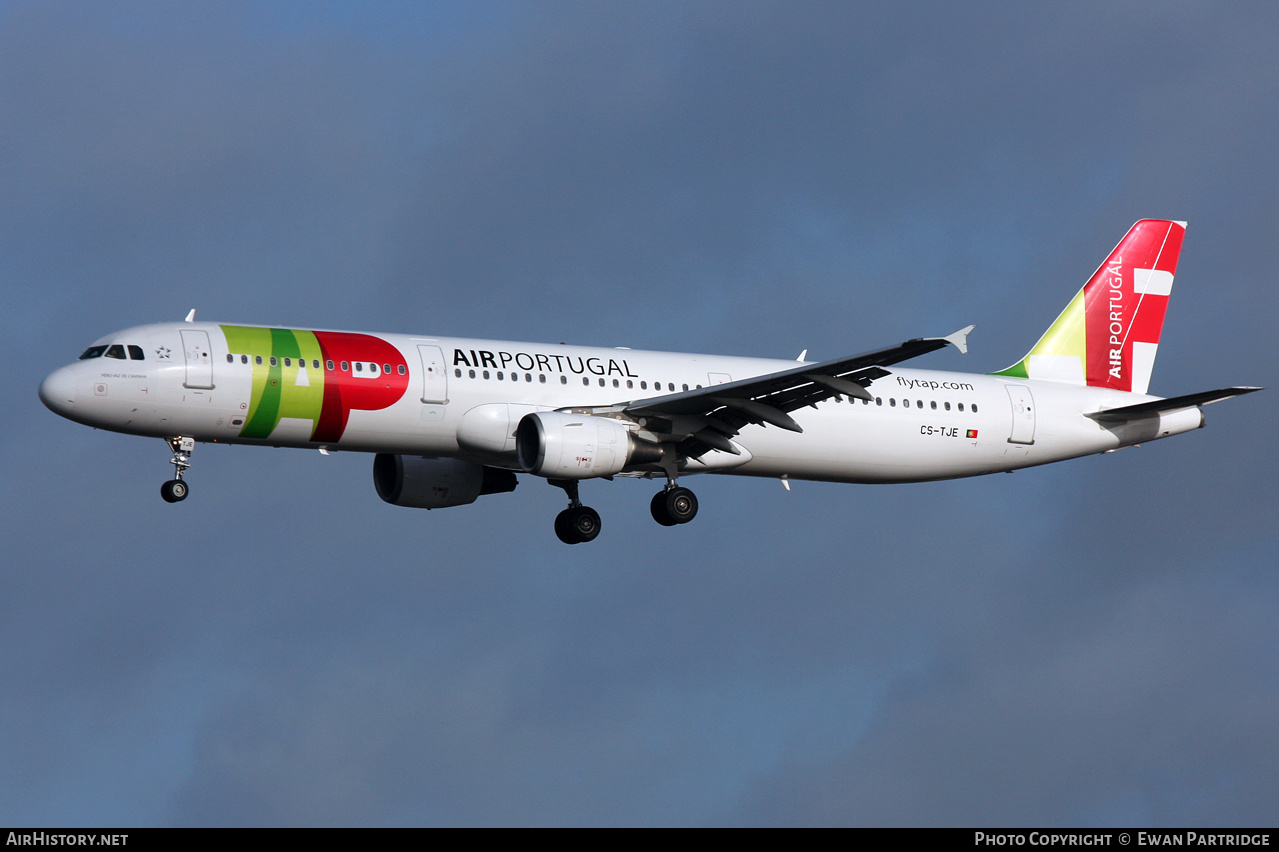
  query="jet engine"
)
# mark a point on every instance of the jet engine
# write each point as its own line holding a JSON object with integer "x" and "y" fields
{"x": 578, "y": 446}
{"x": 427, "y": 483}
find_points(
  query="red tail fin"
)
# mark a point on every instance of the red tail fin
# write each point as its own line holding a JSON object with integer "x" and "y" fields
{"x": 1124, "y": 302}
{"x": 1108, "y": 334}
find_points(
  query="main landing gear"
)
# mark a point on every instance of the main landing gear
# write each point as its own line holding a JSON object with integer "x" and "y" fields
{"x": 175, "y": 490}
{"x": 577, "y": 523}
{"x": 673, "y": 505}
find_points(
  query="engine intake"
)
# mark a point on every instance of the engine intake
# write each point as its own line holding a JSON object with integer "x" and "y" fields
{"x": 426, "y": 483}
{"x": 578, "y": 446}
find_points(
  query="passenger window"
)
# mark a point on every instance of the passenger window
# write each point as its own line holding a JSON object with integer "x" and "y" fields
{"x": 386, "y": 368}
{"x": 947, "y": 405}
{"x": 346, "y": 365}
{"x": 541, "y": 377}
{"x": 961, "y": 406}
{"x": 115, "y": 350}
{"x": 528, "y": 377}
{"x": 257, "y": 359}
{"x": 288, "y": 362}
{"x": 933, "y": 403}
{"x": 974, "y": 408}
{"x": 359, "y": 366}
{"x": 563, "y": 380}
{"x": 685, "y": 387}
{"x": 670, "y": 385}
{"x": 892, "y": 402}
{"x": 643, "y": 385}
{"x": 399, "y": 369}
{"x": 499, "y": 375}
{"x": 585, "y": 381}
{"x": 457, "y": 371}
{"x": 274, "y": 361}
{"x": 328, "y": 365}
{"x": 472, "y": 372}
{"x": 135, "y": 352}
{"x": 230, "y": 359}
{"x": 486, "y": 374}
{"x": 629, "y": 384}
{"x": 93, "y": 352}
{"x": 315, "y": 363}
{"x": 244, "y": 359}
{"x": 879, "y": 400}
{"x": 919, "y": 403}
{"x": 616, "y": 383}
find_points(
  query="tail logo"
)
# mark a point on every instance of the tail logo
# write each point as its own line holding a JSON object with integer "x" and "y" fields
{"x": 1109, "y": 333}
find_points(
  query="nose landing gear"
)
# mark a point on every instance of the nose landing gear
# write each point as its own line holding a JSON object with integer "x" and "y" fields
{"x": 175, "y": 490}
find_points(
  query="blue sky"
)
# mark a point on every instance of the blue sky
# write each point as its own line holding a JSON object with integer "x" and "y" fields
{"x": 1088, "y": 643}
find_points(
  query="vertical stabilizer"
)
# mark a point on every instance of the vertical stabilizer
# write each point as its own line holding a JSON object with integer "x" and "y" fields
{"x": 1108, "y": 335}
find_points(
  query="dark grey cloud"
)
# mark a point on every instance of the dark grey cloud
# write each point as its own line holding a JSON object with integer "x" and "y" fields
{"x": 1081, "y": 644}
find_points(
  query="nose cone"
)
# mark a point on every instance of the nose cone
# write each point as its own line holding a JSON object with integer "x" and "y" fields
{"x": 57, "y": 391}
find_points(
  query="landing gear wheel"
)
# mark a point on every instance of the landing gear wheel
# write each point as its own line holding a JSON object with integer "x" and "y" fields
{"x": 658, "y": 508}
{"x": 577, "y": 524}
{"x": 681, "y": 505}
{"x": 174, "y": 491}
{"x": 562, "y": 531}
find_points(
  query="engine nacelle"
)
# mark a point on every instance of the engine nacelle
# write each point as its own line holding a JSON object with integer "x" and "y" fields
{"x": 425, "y": 483}
{"x": 578, "y": 446}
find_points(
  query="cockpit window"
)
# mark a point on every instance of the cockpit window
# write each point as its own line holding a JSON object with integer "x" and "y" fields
{"x": 135, "y": 352}
{"x": 116, "y": 350}
{"x": 93, "y": 352}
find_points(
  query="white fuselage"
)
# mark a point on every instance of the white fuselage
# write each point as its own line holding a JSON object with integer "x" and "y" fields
{"x": 463, "y": 398}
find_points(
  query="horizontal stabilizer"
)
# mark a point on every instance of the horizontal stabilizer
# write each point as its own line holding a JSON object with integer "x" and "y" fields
{"x": 1159, "y": 406}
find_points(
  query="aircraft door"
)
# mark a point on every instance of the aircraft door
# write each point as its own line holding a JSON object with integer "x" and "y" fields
{"x": 718, "y": 379}
{"x": 435, "y": 374}
{"x": 199, "y": 358}
{"x": 1023, "y": 411}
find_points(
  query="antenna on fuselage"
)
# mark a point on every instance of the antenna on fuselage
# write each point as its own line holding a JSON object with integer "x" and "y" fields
{"x": 191, "y": 316}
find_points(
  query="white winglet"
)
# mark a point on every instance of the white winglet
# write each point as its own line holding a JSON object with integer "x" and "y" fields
{"x": 802, "y": 355}
{"x": 960, "y": 339}
{"x": 786, "y": 482}
{"x": 191, "y": 316}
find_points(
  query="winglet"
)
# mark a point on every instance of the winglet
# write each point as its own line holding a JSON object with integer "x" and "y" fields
{"x": 960, "y": 339}
{"x": 191, "y": 316}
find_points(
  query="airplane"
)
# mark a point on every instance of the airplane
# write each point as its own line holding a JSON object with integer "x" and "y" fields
{"x": 451, "y": 419}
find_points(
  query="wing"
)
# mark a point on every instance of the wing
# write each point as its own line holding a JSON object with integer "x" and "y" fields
{"x": 707, "y": 418}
